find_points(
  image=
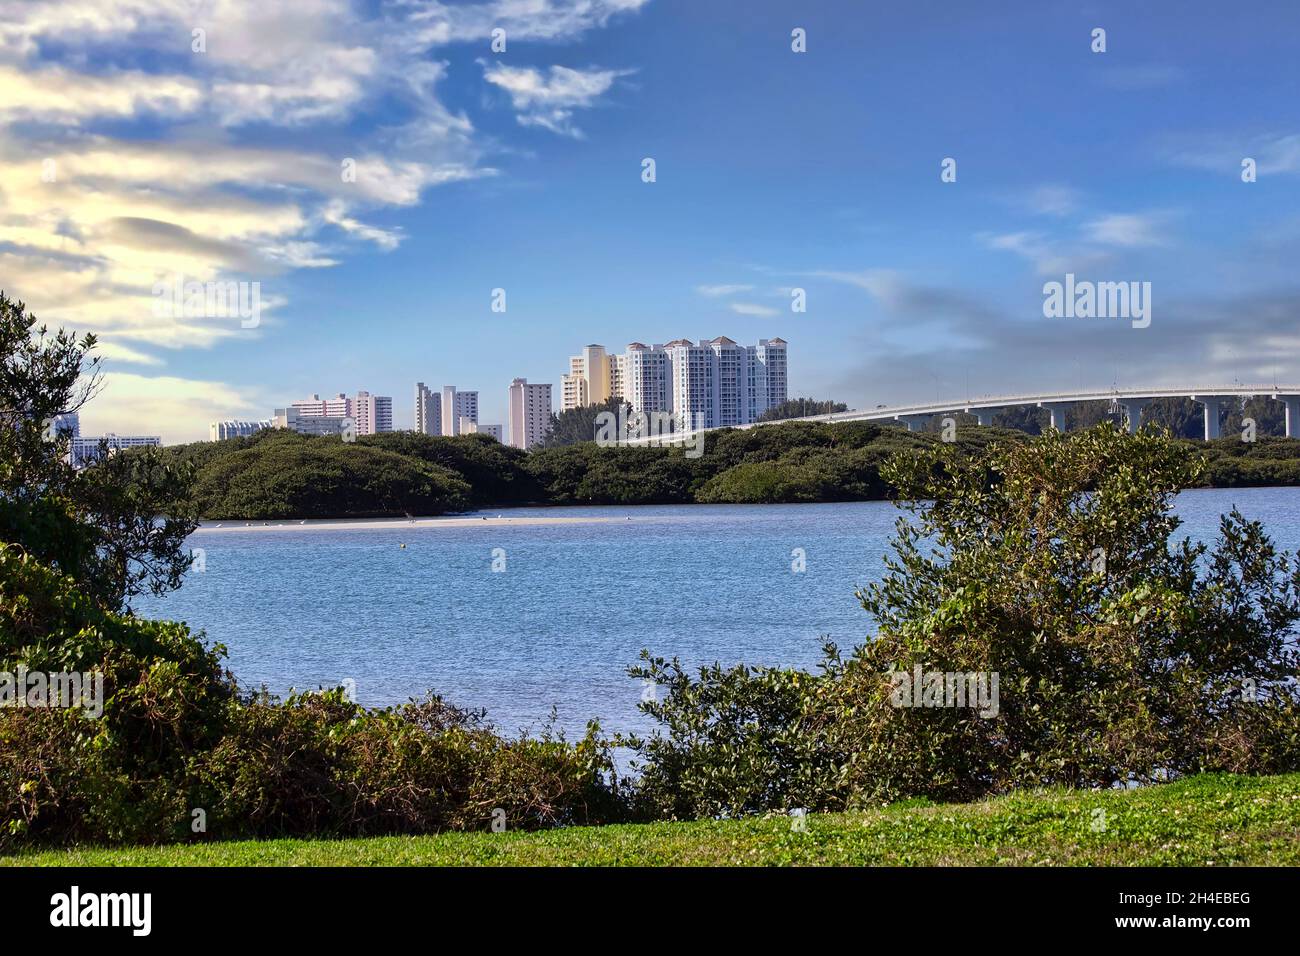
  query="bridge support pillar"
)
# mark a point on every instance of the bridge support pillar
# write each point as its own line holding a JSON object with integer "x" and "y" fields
{"x": 1292, "y": 403}
{"x": 1057, "y": 411}
{"x": 914, "y": 423}
{"x": 1213, "y": 405}
{"x": 983, "y": 415}
{"x": 1133, "y": 411}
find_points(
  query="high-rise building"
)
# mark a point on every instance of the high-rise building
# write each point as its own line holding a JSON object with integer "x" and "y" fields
{"x": 573, "y": 385}
{"x": 338, "y": 407}
{"x": 84, "y": 451}
{"x": 529, "y": 412}
{"x": 428, "y": 410}
{"x": 292, "y": 419}
{"x": 591, "y": 379}
{"x": 694, "y": 383}
{"x": 716, "y": 382}
{"x": 455, "y": 406}
{"x": 369, "y": 414}
{"x": 771, "y": 355}
{"x": 645, "y": 378}
{"x": 373, "y": 413}
{"x": 220, "y": 431}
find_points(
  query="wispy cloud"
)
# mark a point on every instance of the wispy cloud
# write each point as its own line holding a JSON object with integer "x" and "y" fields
{"x": 1081, "y": 247}
{"x": 752, "y": 308}
{"x": 1127, "y": 229}
{"x": 1274, "y": 154}
{"x": 549, "y": 99}
{"x": 1051, "y": 200}
{"x": 717, "y": 291}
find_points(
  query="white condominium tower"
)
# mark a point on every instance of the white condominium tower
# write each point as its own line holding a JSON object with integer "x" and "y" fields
{"x": 714, "y": 382}
{"x": 455, "y": 406}
{"x": 530, "y": 413}
{"x": 373, "y": 413}
{"x": 443, "y": 414}
{"x": 645, "y": 378}
{"x": 771, "y": 354}
{"x": 428, "y": 410}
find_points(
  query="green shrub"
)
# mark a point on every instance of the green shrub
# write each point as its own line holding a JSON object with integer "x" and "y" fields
{"x": 319, "y": 764}
{"x": 1122, "y": 655}
{"x": 65, "y": 774}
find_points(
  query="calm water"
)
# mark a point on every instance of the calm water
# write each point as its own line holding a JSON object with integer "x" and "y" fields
{"x": 573, "y": 608}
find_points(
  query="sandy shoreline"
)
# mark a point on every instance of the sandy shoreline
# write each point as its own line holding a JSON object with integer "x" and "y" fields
{"x": 393, "y": 524}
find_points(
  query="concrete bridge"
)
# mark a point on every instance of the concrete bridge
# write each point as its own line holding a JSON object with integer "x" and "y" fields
{"x": 1130, "y": 400}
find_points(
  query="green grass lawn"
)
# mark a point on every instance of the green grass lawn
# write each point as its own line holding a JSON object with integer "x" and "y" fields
{"x": 1211, "y": 820}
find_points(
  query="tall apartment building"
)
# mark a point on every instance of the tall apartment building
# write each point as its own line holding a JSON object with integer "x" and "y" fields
{"x": 428, "y": 410}
{"x": 293, "y": 419}
{"x": 316, "y": 407}
{"x": 645, "y": 378}
{"x": 373, "y": 413}
{"x": 591, "y": 380}
{"x": 573, "y": 385}
{"x": 529, "y": 412}
{"x": 455, "y": 406}
{"x": 771, "y": 355}
{"x": 717, "y": 381}
{"x": 220, "y": 431}
{"x": 369, "y": 414}
{"x": 694, "y": 383}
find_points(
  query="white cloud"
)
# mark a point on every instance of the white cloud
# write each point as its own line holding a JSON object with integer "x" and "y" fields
{"x": 1273, "y": 153}
{"x": 1049, "y": 256}
{"x": 1126, "y": 229}
{"x": 1052, "y": 200}
{"x": 436, "y": 23}
{"x": 752, "y": 308}
{"x": 717, "y": 291}
{"x": 548, "y": 100}
{"x": 884, "y": 284}
{"x": 55, "y": 95}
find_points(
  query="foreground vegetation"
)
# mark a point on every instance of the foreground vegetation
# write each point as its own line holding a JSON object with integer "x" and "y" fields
{"x": 1124, "y": 655}
{"x": 1217, "y": 820}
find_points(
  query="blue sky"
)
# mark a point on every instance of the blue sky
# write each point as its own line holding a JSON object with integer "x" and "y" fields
{"x": 522, "y": 170}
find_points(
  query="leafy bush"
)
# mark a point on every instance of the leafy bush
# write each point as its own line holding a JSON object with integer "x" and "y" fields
{"x": 1121, "y": 655}
{"x": 66, "y": 774}
{"x": 319, "y": 764}
{"x": 733, "y": 741}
